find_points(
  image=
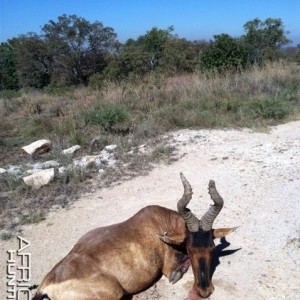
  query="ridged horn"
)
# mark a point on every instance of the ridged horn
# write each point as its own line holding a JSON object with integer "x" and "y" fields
{"x": 209, "y": 217}
{"x": 191, "y": 221}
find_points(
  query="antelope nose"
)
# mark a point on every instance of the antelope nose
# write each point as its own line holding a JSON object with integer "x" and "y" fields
{"x": 205, "y": 293}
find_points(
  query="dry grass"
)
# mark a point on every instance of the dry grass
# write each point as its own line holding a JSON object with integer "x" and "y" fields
{"x": 138, "y": 110}
{"x": 154, "y": 104}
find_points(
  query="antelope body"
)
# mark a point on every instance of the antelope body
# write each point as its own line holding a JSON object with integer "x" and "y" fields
{"x": 110, "y": 262}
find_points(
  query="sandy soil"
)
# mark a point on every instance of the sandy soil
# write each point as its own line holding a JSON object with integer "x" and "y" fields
{"x": 258, "y": 175}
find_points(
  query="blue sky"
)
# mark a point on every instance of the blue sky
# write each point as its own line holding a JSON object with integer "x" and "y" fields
{"x": 192, "y": 19}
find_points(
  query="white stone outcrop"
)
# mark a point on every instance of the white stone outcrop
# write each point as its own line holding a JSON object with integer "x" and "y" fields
{"x": 62, "y": 170}
{"x": 32, "y": 171}
{"x": 38, "y": 147}
{"x": 110, "y": 148}
{"x": 42, "y": 166}
{"x": 142, "y": 149}
{"x": 14, "y": 170}
{"x": 40, "y": 178}
{"x": 2, "y": 171}
{"x": 71, "y": 150}
{"x": 41, "y": 173}
{"x": 106, "y": 157}
{"x": 46, "y": 165}
{"x": 88, "y": 161}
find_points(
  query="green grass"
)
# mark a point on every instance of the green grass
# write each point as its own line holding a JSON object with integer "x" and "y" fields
{"x": 275, "y": 108}
{"x": 107, "y": 115}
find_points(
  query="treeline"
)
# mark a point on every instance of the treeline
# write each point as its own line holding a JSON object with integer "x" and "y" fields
{"x": 72, "y": 51}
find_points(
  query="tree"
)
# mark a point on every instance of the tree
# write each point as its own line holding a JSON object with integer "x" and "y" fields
{"x": 34, "y": 61}
{"x": 291, "y": 53}
{"x": 145, "y": 54}
{"x": 181, "y": 55}
{"x": 78, "y": 48}
{"x": 8, "y": 66}
{"x": 154, "y": 43}
{"x": 297, "y": 58}
{"x": 264, "y": 39}
{"x": 134, "y": 59}
{"x": 224, "y": 53}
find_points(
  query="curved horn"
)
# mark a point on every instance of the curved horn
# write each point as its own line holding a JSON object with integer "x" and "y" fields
{"x": 191, "y": 221}
{"x": 210, "y": 216}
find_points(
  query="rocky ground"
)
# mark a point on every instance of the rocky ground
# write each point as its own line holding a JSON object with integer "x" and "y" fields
{"x": 258, "y": 175}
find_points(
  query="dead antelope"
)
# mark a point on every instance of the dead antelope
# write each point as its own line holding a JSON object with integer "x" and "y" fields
{"x": 126, "y": 258}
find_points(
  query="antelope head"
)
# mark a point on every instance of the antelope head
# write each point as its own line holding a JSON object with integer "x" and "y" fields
{"x": 200, "y": 238}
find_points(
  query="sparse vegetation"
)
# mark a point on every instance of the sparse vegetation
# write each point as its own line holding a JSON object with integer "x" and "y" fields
{"x": 143, "y": 108}
{"x": 271, "y": 108}
{"x": 33, "y": 217}
{"x": 107, "y": 115}
{"x": 133, "y": 93}
{"x": 6, "y": 236}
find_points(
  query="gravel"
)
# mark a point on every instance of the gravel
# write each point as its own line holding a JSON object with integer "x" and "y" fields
{"x": 257, "y": 174}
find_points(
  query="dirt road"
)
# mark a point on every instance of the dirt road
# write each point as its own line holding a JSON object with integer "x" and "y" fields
{"x": 258, "y": 175}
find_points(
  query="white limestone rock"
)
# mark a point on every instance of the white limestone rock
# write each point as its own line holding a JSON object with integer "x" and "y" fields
{"x": 15, "y": 170}
{"x": 71, "y": 150}
{"x": 110, "y": 148}
{"x": 88, "y": 161}
{"x": 2, "y": 171}
{"x": 46, "y": 165}
{"x": 40, "y": 178}
{"x": 38, "y": 147}
{"x": 62, "y": 170}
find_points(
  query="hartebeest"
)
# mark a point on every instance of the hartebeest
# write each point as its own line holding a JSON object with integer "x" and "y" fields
{"x": 126, "y": 258}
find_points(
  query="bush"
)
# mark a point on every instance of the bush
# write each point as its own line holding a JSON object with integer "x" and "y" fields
{"x": 5, "y": 236}
{"x": 33, "y": 217}
{"x": 225, "y": 53}
{"x": 108, "y": 115}
{"x": 271, "y": 108}
{"x": 9, "y": 94}
{"x": 57, "y": 89}
{"x": 96, "y": 81}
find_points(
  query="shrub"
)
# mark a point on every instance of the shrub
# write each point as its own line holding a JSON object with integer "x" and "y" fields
{"x": 8, "y": 182}
{"x": 33, "y": 217}
{"x": 57, "y": 89}
{"x": 9, "y": 94}
{"x": 271, "y": 108}
{"x": 5, "y": 236}
{"x": 225, "y": 53}
{"x": 96, "y": 81}
{"x": 108, "y": 115}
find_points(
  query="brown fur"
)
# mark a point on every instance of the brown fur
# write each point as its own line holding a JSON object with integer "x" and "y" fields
{"x": 122, "y": 259}
{"x": 110, "y": 262}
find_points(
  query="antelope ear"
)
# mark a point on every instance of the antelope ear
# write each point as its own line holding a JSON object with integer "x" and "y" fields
{"x": 222, "y": 232}
{"x": 172, "y": 238}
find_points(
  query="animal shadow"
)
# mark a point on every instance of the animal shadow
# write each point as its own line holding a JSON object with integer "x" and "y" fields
{"x": 219, "y": 252}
